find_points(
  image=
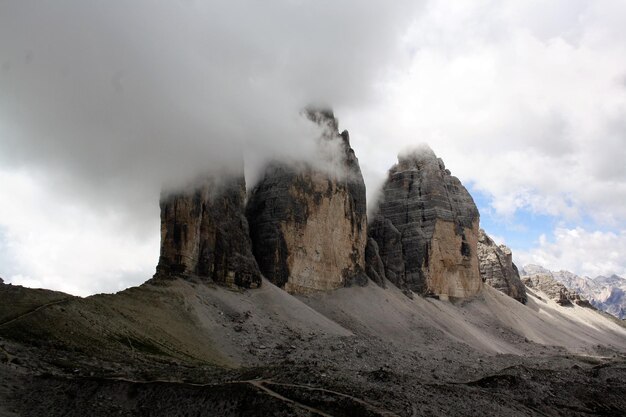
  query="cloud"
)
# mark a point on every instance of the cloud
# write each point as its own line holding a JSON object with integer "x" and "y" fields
{"x": 147, "y": 93}
{"x": 584, "y": 252}
{"x": 106, "y": 103}
{"x": 102, "y": 104}
{"x": 524, "y": 100}
{"x": 51, "y": 243}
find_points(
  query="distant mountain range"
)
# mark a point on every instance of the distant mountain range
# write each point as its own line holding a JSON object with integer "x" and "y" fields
{"x": 605, "y": 293}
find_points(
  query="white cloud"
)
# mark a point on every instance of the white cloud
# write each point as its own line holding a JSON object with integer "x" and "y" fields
{"x": 525, "y": 100}
{"x": 581, "y": 251}
{"x": 102, "y": 104}
{"x": 63, "y": 245}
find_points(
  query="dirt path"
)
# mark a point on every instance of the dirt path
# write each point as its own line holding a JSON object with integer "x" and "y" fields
{"x": 33, "y": 311}
{"x": 260, "y": 385}
{"x": 265, "y": 386}
{"x": 339, "y": 394}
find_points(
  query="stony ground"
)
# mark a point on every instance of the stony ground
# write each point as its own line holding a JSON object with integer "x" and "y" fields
{"x": 272, "y": 354}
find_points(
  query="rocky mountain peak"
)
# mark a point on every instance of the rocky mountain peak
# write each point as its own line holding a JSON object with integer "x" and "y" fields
{"x": 308, "y": 226}
{"x": 610, "y": 280}
{"x": 426, "y": 228}
{"x": 604, "y": 293}
{"x": 497, "y": 268}
{"x": 204, "y": 233}
{"x": 546, "y": 283}
{"x": 532, "y": 269}
{"x": 324, "y": 117}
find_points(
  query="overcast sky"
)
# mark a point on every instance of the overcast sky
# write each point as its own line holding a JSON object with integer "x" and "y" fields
{"x": 104, "y": 103}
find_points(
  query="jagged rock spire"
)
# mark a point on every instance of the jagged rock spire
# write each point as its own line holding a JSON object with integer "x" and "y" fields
{"x": 497, "y": 268}
{"x": 426, "y": 228}
{"x": 204, "y": 233}
{"x": 308, "y": 226}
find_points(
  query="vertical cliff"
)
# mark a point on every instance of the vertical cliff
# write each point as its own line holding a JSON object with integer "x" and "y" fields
{"x": 308, "y": 225}
{"x": 426, "y": 228}
{"x": 204, "y": 234}
{"x": 497, "y": 268}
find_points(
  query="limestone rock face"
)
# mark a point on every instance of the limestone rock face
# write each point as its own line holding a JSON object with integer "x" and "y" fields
{"x": 204, "y": 234}
{"x": 308, "y": 226}
{"x": 426, "y": 228}
{"x": 554, "y": 289}
{"x": 497, "y": 268}
{"x": 604, "y": 293}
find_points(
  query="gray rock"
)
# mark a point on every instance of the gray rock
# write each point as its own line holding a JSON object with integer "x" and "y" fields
{"x": 604, "y": 293}
{"x": 426, "y": 228}
{"x": 204, "y": 234}
{"x": 497, "y": 268}
{"x": 374, "y": 267}
{"x": 308, "y": 225}
{"x": 554, "y": 289}
{"x": 533, "y": 270}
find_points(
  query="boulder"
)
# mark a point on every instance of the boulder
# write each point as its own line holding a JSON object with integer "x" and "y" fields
{"x": 426, "y": 229}
{"x": 308, "y": 225}
{"x": 497, "y": 268}
{"x": 204, "y": 233}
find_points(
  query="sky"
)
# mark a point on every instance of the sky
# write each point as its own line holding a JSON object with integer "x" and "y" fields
{"x": 103, "y": 105}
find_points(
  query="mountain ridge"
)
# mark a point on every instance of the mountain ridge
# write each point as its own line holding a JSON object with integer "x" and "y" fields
{"x": 604, "y": 293}
{"x": 390, "y": 318}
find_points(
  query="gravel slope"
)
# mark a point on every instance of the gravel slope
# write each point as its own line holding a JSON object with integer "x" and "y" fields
{"x": 180, "y": 348}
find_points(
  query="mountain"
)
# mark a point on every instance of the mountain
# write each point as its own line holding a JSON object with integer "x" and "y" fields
{"x": 605, "y": 293}
{"x": 308, "y": 225}
{"x": 497, "y": 268}
{"x": 426, "y": 229}
{"x": 253, "y": 311}
{"x": 609, "y": 294}
{"x": 178, "y": 347}
{"x": 204, "y": 233}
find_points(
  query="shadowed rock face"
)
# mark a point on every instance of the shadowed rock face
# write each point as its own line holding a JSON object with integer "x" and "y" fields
{"x": 374, "y": 266}
{"x": 497, "y": 268}
{"x": 426, "y": 228}
{"x": 308, "y": 227}
{"x": 204, "y": 234}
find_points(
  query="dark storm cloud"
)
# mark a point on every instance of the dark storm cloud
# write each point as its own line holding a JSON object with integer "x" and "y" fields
{"x": 111, "y": 100}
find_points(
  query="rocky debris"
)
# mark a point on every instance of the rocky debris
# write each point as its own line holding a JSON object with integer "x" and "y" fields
{"x": 204, "y": 234}
{"x": 497, "y": 268}
{"x": 554, "y": 289}
{"x": 426, "y": 228}
{"x": 66, "y": 362}
{"x": 307, "y": 224}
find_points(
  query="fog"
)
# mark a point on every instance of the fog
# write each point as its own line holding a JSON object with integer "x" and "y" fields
{"x": 109, "y": 102}
{"x": 102, "y": 104}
